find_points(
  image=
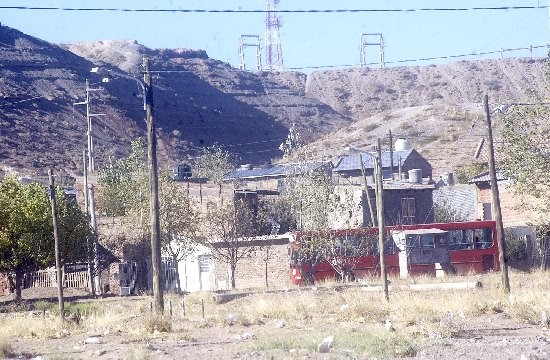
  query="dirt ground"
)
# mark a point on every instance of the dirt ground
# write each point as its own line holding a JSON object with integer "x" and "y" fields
{"x": 493, "y": 336}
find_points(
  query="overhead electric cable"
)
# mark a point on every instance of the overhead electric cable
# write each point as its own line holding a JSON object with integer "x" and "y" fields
{"x": 284, "y": 11}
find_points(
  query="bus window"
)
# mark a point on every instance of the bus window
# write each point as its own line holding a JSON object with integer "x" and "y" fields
{"x": 428, "y": 240}
{"x": 413, "y": 241}
{"x": 483, "y": 238}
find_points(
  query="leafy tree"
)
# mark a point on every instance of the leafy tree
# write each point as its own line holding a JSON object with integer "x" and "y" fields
{"x": 26, "y": 230}
{"x": 228, "y": 226}
{"x": 124, "y": 184}
{"x": 343, "y": 252}
{"x": 313, "y": 203}
{"x": 466, "y": 172}
{"x": 214, "y": 163}
{"x": 525, "y": 154}
{"x": 292, "y": 143}
{"x": 273, "y": 211}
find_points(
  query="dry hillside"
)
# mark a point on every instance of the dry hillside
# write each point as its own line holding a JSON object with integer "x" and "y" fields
{"x": 433, "y": 106}
{"x": 200, "y": 101}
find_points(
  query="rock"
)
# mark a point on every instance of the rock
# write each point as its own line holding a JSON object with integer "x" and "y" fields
{"x": 324, "y": 347}
{"x": 389, "y": 325}
{"x": 279, "y": 323}
{"x": 344, "y": 307}
{"x": 92, "y": 340}
{"x": 231, "y": 319}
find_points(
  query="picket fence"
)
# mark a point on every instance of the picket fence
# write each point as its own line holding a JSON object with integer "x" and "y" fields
{"x": 48, "y": 278}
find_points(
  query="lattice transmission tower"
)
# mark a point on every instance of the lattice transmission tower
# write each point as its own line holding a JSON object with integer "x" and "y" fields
{"x": 273, "y": 49}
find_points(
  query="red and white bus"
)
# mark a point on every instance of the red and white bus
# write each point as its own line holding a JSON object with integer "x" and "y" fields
{"x": 472, "y": 248}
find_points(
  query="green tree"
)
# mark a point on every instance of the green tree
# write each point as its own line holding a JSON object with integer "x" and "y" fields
{"x": 26, "y": 230}
{"x": 123, "y": 184}
{"x": 213, "y": 164}
{"x": 525, "y": 155}
{"x": 314, "y": 203}
{"x": 228, "y": 226}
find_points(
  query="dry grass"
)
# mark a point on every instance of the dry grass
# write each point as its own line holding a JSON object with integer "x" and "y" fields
{"x": 354, "y": 318}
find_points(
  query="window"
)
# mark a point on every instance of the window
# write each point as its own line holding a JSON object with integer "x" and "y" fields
{"x": 408, "y": 210}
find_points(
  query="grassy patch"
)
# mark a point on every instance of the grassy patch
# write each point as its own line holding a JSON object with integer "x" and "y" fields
{"x": 371, "y": 127}
{"x": 6, "y": 350}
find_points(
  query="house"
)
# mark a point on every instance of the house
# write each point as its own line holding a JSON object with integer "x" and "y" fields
{"x": 406, "y": 181}
{"x": 404, "y": 203}
{"x": 401, "y": 163}
{"x": 268, "y": 179}
{"x": 516, "y": 218}
{"x": 512, "y": 211}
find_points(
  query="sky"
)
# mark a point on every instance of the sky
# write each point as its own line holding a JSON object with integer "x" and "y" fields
{"x": 309, "y": 40}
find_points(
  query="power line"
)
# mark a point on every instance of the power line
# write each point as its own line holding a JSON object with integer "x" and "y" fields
{"x": 455, "y": 56}
{"x": 282, "y": 11}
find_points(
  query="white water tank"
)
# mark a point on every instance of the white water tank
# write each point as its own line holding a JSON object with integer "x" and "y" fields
{"x": 402, "y": 144}
{"x": 415, "y": 176}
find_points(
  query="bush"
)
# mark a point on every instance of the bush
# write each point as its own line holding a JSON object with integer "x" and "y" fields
{"x": 516, "y": 249}
{"x": 155, "y": 323}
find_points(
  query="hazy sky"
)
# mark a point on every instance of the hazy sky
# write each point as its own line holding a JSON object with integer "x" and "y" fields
{"x": 308, "y": 39}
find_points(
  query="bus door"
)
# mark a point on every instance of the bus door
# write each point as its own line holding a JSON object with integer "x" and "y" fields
{"x": 421, "y": 250}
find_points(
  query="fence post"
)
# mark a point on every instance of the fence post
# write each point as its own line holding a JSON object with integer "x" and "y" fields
{"x": 170, "y": 307}
{"x": 202, "y": 307}
{"x": 183, "y": 307}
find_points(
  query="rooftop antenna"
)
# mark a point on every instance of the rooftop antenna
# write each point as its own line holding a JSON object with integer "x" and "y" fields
{"x": 243, "y": 44}
{"x": 273, "y": 50}
{"x": 368, "y": 39}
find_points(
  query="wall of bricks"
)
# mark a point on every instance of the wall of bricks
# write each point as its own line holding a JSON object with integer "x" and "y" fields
{"x": 251, "y": 271}
{"x": 512, "y": 212}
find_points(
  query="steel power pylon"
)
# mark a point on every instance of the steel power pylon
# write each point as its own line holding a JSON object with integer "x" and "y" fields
{"x": 366, "y": 41}
{"x": 273, "y": 49}
{"x": 243, "y": 44}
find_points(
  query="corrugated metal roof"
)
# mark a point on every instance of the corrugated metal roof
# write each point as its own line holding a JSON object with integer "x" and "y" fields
{"x": 484, "y": 177}
{"x": 275, "y": 170}
{"x": 351, "y": 162}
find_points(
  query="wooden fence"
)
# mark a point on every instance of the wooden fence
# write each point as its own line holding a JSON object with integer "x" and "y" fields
{"x": 48, "y": 278}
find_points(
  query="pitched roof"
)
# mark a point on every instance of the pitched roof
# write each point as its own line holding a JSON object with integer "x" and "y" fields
{"x": 351, "y": 162}
{"x": 276, "y": 170}
{"x": 484, "y": 177}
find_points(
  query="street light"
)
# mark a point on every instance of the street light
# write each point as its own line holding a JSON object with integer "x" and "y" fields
{"x": 147, "y": 88}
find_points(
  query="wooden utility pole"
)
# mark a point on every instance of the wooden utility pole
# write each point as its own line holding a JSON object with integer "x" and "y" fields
{"x": 96, "y": 267}
{"x": 391, "y": 156}
{"x": 153, "y": 189}
{"x": 371, "y": 211}
{"x": 380, "y": 213}
{"x": 496, "y": 200}
{"x": 57, "y": 249}
{"x": 89, "y": 247}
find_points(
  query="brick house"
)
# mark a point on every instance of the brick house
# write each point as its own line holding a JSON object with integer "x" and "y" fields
{"x": 513, "y": 214}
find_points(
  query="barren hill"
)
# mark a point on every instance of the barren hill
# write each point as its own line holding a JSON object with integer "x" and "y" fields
{"x": 200, "y": 101}
{"x": 433, "y": 106}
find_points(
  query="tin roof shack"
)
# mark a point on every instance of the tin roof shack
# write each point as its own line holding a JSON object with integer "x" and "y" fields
{"x": 268, "y": 179}
{"x": 404, "y": 161}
